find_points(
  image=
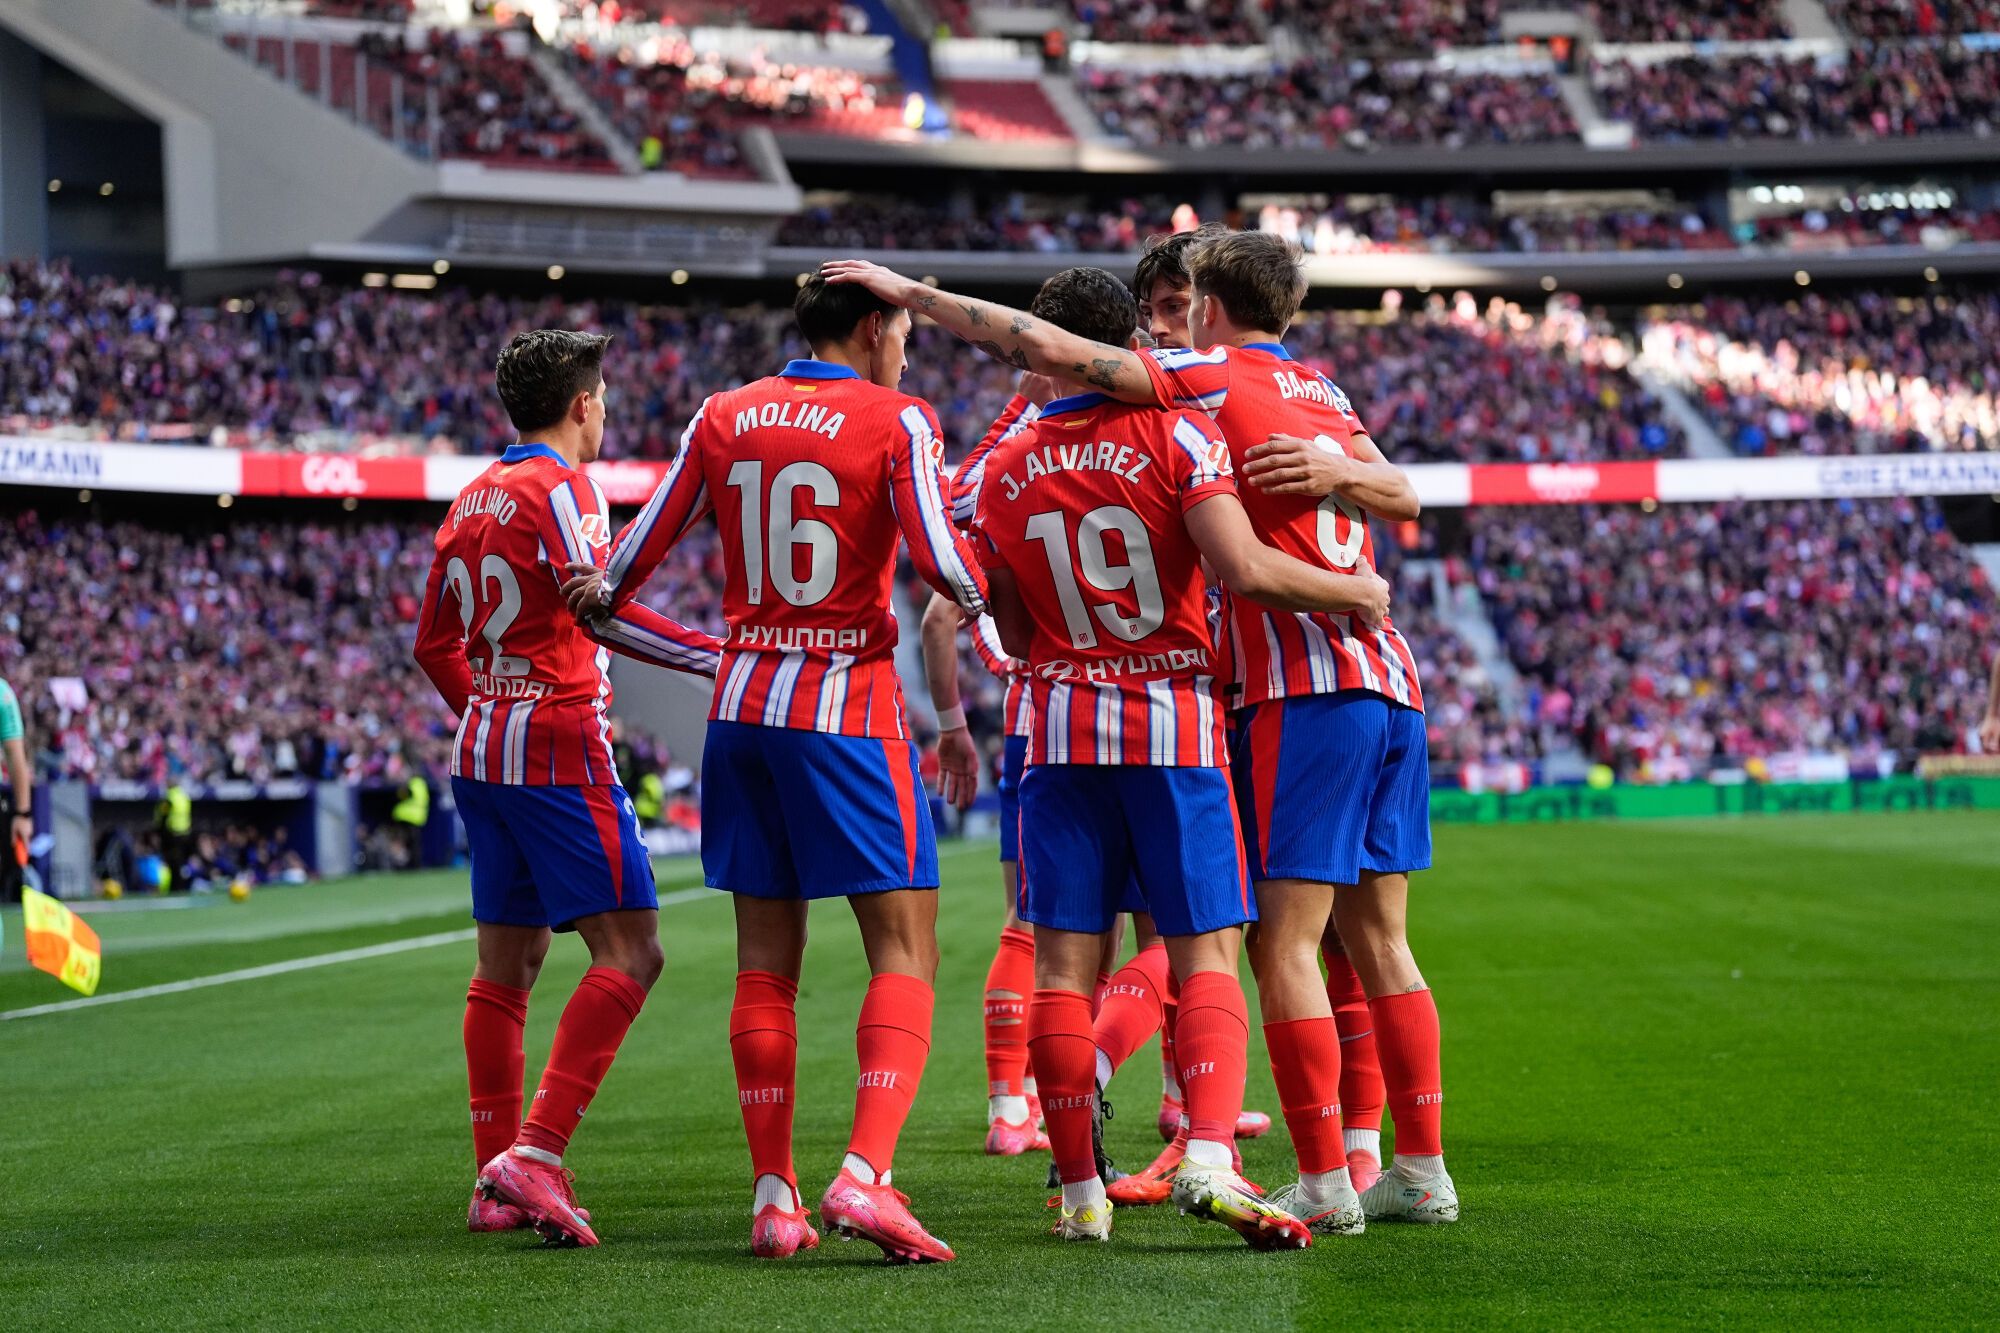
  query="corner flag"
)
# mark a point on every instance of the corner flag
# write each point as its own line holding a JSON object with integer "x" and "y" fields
{"x": 59, "y": 943}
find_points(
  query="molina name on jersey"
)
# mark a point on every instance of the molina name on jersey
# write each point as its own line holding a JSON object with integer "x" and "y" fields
{"x": 811, "y": 474}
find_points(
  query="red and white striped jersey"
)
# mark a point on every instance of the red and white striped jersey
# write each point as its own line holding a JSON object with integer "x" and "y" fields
{"x": 1086, "y": 509}
{"x": 1016, "y": 417}
{"x": 496, "y": 638}
{"x": 811, "y": 474}
{"x": 1253, "y": 392}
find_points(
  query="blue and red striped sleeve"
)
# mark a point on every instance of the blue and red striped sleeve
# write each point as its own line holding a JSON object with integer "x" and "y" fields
{"x": 965, "y": 483}
{"x": 578, "y": 527}
{"x": 1190, "y": 379}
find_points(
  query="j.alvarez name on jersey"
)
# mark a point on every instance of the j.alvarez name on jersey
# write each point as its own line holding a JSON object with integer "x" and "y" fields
{"x": 1080, "y": 456}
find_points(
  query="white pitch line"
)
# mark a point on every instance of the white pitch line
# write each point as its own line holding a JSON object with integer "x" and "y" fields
{"x": 291, "y": 965}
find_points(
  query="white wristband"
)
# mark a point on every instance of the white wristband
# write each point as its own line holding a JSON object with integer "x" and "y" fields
{"x": 952, "y": 718}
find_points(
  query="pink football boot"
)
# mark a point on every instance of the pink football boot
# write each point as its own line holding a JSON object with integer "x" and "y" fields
{"x": 777, "y": 1233}
{"x": 543, "y": 1192}
{"x": 879, "y": 1213}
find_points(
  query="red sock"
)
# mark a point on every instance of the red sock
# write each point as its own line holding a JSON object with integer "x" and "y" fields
{"x": 495, "y": 1016}
{"x": 764, "y": 1045}
{"x": 1211, "y": 1045}
{"x": 588, "y": 1034}
{"x": 1132, "y": 1004}
{"x": 1170, "y": 1007}
{"x": 892, "y": 1039}
{"x": 1305, "y": 1062}
{"x": 1406, "y": 1033}
{"x": 1360, "y": 1066}
{"x": 1009, "y": 982}
{"x": 1065, "y": 1057}
{"x": 1097, "y": 996}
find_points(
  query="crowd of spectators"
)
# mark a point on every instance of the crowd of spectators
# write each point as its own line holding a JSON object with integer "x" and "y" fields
{"x": 1454, "y": 381}
{"x": 1690, "y": 20}
{"x": 1848, "y": 228}
{"x": 1420, "y": 26}
{"x": 1661, "y": 643}
{"x": 219, "y": 651}
{"x": 359, "y": 369}
{"x": 1879, "y": 92}
{"x": 1012, "y": 224}
{"x": 1365, "y": 224}
{"x": 1869, "y": 372}
{"x": 1887, "y": 20}
{"x": 492, "y": 103}
{"x": 681, "y": 108}
{"x": 1169, "y": 22}
{"x": 1326, "y": 106}
{"x": 1361, "y": 224}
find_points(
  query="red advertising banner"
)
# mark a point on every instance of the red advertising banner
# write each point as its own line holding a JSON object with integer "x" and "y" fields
{"x": 334, "y": 476}
{"x": 1563, "y": 483}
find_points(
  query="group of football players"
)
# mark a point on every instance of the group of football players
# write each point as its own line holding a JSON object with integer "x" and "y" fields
{"x": 1219, "y": 764}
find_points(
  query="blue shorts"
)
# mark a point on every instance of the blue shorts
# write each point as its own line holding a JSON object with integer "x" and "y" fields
{"x": 801, "y": 814}
{"x": 1096, "y": 832}
{"x": 1330, "y": 785}
{"x": 549, "y": 856}
{"x": 1013, "y": 758}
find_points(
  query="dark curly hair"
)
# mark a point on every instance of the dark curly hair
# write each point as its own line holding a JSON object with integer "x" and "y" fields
{"x": 1090, "y": 303}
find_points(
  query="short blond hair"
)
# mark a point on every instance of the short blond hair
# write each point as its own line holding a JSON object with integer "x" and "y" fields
{"x": 1257, "y": 275}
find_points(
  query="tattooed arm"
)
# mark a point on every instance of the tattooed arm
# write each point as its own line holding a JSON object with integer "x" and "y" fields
{"x": 1009, "y": 335}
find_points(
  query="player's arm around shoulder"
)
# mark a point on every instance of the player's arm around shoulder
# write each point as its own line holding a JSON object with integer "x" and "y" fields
{"x": 1221, "y": 531}
{"x": 1248, "y": 568}
{"x": 1355, "y": 470}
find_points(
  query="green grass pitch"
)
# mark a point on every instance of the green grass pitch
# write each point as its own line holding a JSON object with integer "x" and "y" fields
{"x": 1697, "y": 1073}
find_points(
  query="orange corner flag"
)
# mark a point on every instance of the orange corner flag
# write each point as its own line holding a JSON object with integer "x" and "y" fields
{"x": 59, "y": 943}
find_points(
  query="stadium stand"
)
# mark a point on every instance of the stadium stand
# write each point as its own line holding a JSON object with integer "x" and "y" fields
{"x": 1882, "y": 91}
{"x": 1663, "y": 643}
{"x": 1167, "y": 22}
{"x": 215, "y": 651}
{"x": 491, "y": 104}
{"x": 1379, "y": 26}
{"x": 1886, "y": 19}
{"x": 1314, "y": 105}
{"x": 691, "y": 104}
{"x": 1867, "y": 372}
{"x": 1457, "y": 382}
{"x": 1013, "y": 224}
{"x": 309, "y": 362}
{"x": 1689, "y": 20}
